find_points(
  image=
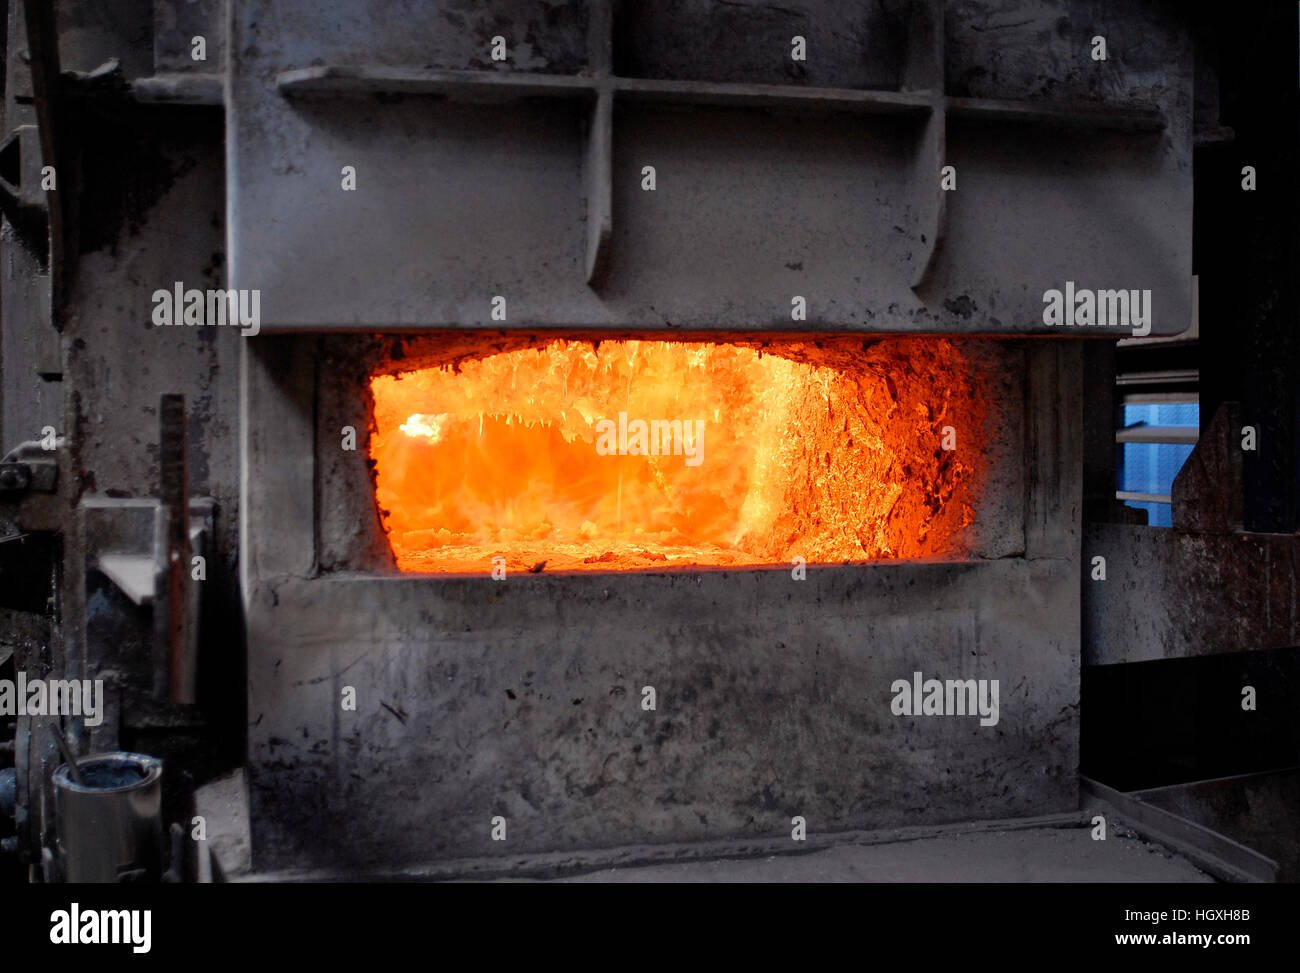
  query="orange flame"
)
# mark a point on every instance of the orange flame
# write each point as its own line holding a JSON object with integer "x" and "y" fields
{"x": 626, "y": 454}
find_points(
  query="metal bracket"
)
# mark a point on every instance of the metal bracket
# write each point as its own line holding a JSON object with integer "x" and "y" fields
{"x": 146, "y": 547}
{"x": 21, "y": 198}
{"x": 127, "y": 541}
{"x": 29, "y": 467}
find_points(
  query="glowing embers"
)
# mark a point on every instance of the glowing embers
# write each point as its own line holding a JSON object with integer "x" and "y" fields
{"x": 618, "y": 455}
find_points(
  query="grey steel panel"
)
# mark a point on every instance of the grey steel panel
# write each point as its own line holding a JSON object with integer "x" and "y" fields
{"x": 459, "y": 203}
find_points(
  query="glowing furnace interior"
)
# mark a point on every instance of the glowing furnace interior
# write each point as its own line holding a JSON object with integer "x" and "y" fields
{"x": 613, "y": 455}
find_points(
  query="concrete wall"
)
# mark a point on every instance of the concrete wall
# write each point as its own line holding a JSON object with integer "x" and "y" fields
{"x": 523, "y": 699}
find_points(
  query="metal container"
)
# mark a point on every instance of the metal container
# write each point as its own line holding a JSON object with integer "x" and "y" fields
{"x": 110, "y": 826}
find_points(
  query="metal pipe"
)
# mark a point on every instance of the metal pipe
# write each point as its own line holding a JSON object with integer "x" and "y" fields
{"x": 174, "y": 668}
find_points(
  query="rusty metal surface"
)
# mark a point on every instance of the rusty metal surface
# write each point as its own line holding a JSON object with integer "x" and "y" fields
{"x": 1168, "y": 593}
{"x": 1201, "y": 587}
{"x": 1225, "y": 859}
{"x": 1246, "y": 809}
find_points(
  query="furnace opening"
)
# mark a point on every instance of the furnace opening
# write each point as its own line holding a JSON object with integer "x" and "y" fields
{"x": 614, "y": 455}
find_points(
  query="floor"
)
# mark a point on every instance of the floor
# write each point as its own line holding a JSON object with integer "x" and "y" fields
{"x": 1036, "y": 855}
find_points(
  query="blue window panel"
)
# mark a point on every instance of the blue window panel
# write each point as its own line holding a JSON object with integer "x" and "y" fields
{"x": 1163, "y": 414}
{"x": 1158, "y": 514}
{"x": 1151, "y": 467}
